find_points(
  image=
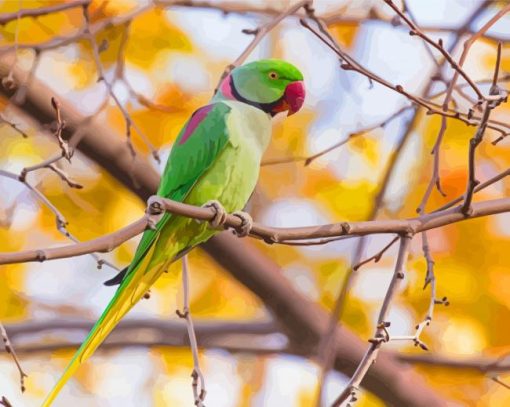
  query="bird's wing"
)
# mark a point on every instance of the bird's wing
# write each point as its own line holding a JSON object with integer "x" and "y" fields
{"x": 200, "y": 141}
{"x": 198, "y": 145}
{"x": 203, "y": 137}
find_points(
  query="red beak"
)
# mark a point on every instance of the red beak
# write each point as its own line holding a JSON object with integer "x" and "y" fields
{"x": 294, "y": 96}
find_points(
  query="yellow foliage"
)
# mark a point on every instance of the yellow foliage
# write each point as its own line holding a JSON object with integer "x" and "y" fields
{"x": 499, "y": 280}
{"x": 306, "y": 397}
{"x": 368, "y": 146}
{"x": 101, "y": 9}
{"x": 152, "y": 33}
{"x": 369, "y": 400}
{"x": 344, "y": 33}
{"x": 11, "y": 282}
{"x": 83, "y": 72}
{"x": 174, "y": 359}
{"x": 42, "y": 29}
{"x": 339, "y": 199}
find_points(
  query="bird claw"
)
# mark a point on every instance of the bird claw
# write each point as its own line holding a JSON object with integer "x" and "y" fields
{"x": 246, "y": 223}
{"x": 155, "y": 205}
{"x": 155, "y": 211}
{"x": 220, "y": 215}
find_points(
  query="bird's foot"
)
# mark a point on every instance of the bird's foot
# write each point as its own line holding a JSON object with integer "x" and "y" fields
{"x": 220, "y": 215}
{"x": 155, "y": 211}
{"x": 246, "y": 223}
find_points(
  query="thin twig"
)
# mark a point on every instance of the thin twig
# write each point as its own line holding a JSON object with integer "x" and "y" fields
{"x": 43, "y": 164}
{"x": 381, "y": 334}
{"x": 13, "y": 126}
{"x": 488, "y": 106}
{"x": 435, "y": 181}
{"x": 478, "y": 188}
{"x": 349, "y": 64}
{"x": 4, "y": 402}
{"x": 42, "y": 11}
{"x": 309, "y": 159}
{"x": 10, "y": 349}
{"x": 376, "y": 257}
{"x": 430, "y": 280}
{"x": 500, "y": 382}
{"x": 437, "y": 45}
{"x": 127, "y": 118}
{"x": 472, "y": 39}
{"x": 64, "y": 177}
{"x": 199, "y": 391}
{"x": 61, "y": 222}
{"x": 66, "y": 152}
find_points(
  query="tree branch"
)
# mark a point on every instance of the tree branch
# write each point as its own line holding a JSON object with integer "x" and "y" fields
{"x": 42, "y": 11}
{"x": 257, "y": 337}
{"x": 199, "y": 392}
{"x": 381, "y": 335}
{"x": 269, "y": 234}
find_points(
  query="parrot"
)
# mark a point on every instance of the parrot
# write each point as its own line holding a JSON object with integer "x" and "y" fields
{"x": 214, "y": 161}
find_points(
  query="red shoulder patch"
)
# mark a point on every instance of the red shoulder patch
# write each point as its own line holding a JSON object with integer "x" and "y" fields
{"x": 195, "y": 120}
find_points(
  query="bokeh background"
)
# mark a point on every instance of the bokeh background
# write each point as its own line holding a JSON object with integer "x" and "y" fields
{"x": 174, "y": 57}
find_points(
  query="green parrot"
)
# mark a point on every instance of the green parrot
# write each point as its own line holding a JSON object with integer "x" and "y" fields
{"x": 215, "y": 158}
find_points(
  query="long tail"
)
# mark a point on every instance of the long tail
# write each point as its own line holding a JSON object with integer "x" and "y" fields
{"x": 128, "y": 294}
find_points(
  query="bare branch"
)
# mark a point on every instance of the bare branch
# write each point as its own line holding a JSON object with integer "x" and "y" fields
{"x": 129, "y": 122}
{"x": 472, "y": 39}
{"x": 13, "y": 126}
{"x": 228, "y": 335}
{"x": 479, "y": 187}
{"x": 267, "y": 233}
{"x": 199, "y": 391}
{"x": 415, "y": 30}
{"x": 349, "y": 64}
{"x": 42, "y": 11}
{"x": 66, "y": 153}
{"x": 4, "y": 402}
{"x": 61, "y": 222}
{"x": 309, "y": 159}
{"x": 381, "y": 334}
{"x": 376, "y": 257}
{"x": 10, "y": 349}
{"x": 478, "y": 137}
{"x": 499, "y": 381}
{"x": 64, "y": 177}
{"x": 325, "y": 349}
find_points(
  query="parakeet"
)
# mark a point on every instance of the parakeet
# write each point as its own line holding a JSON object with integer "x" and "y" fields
{"x": 216, "y": 156}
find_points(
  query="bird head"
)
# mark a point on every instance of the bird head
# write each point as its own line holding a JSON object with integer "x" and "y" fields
{"x": 272, "y": 85}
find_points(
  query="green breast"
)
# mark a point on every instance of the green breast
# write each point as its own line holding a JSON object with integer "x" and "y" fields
{"x": 232, "y": 178}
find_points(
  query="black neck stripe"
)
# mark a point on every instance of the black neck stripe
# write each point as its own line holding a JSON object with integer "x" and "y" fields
{"x": 266, "y": 107}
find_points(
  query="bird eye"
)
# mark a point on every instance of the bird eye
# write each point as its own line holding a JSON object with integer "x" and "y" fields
{"x": 273, "y": 75}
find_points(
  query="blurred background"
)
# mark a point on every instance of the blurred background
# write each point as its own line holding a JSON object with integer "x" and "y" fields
{"x": 173, "y": 56}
